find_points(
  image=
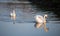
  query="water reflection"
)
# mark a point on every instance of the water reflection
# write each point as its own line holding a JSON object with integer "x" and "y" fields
{"x": 38, "y": 25}
{"x": 45, "y": 28}
{"x": 13, "y": 19}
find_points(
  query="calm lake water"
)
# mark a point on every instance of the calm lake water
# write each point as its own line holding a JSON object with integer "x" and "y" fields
{"x": 24, "y": 23}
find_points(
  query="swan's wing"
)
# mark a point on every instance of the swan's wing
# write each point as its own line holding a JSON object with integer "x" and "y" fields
{"x": 39, "y": 18}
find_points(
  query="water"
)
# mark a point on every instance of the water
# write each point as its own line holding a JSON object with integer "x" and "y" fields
{"x": 24, "y": 24}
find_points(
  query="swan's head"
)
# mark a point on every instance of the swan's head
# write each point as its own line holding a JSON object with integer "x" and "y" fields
{"x": 45, "y": 15}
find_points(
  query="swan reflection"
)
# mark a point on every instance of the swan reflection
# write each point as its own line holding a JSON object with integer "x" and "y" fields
{"x": 38, "y": 25}
{"x": 45, "y": 28}
{"x": 13, "y": 19}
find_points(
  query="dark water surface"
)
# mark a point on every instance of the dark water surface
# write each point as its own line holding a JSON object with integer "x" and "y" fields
{"x": 24, "y": 24}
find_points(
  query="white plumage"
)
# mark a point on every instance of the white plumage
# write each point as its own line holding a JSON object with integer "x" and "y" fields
{"x": 13, "y": 14}
{"x": 40, "y": 19}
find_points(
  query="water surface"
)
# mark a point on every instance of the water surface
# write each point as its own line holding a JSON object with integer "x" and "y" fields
{"x": 24, "y": 24}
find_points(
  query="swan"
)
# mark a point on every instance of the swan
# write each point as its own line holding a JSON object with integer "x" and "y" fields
{"x": 41, "y": 19}
{"x": 13, "y": 14}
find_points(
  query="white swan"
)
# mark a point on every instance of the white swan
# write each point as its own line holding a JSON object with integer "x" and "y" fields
{"x": 13, "y": 14}
{"x": 41, "y": 19}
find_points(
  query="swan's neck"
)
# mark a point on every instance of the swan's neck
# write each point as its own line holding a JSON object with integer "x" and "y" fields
{"x": 14, "y": 11}
{"x": 44, "y": 19}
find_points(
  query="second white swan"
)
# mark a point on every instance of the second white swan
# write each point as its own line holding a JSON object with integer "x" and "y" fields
{"x": 13, "y": 14}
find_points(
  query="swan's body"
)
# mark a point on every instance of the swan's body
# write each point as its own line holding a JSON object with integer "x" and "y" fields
{"x": 13, "y": 14}
{"x": 40, "y": 19}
